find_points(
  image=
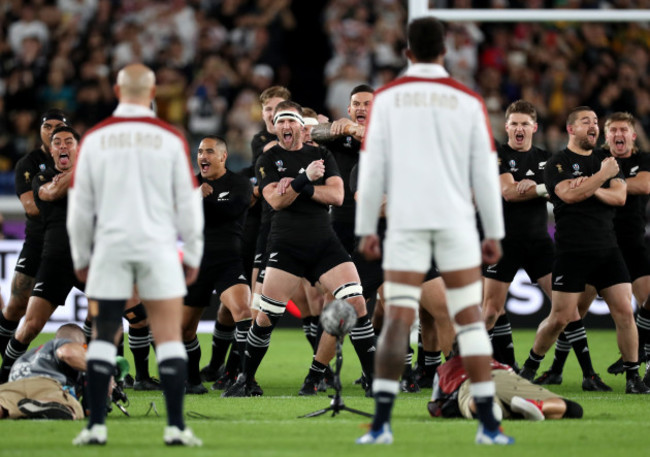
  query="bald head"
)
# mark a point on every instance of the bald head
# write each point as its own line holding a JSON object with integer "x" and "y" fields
{"x": 71, "y": 332}
{"x": 136, "y": 84}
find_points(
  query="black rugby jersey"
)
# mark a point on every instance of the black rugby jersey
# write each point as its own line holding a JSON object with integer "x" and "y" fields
{"x": 586, "y": 225}
{"x": 305, "y": 218}
{"x": 630, "y": 219}
{"x": 225, "y": 212}
{"x": 56, "y": 241}
{"x": 527, "y": 219}
{"x": 346, "y": 153}
{"x": 26, "y": 169}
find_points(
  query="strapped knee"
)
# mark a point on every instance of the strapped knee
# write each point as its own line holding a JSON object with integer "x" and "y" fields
{"x": 109, "y": 318}
{"x": 136, "y": 314}
{"x": 256, "y": 303}
{"x": 403, "y": 295}
{"x": 460, "y": 298}
{"x": 473, "y": 340}
{"x": 273, "y": 308}
{"x": 349, "y": 290}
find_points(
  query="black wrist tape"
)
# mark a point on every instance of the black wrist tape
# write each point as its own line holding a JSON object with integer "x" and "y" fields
{"x": 299, "y": 183}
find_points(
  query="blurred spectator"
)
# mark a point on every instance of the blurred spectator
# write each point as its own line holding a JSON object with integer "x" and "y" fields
{"x": 27, "y": 27}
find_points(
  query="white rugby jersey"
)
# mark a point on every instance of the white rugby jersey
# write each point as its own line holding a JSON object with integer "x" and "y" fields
{"x": 428, "y": 145}
{"x": 134, "y": 191}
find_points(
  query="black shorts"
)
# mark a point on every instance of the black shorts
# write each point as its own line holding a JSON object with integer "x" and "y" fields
{"x": 29, "y": 258}
{"x": 534, "y": 256}
{"x": 216, "y": 274}
{"x": 55, "y": 279}
{"x": 370, "y": 272}
{"x": 307, "y": 260}
{"x": 345, "y": 232}
{"x": 261, "y": 245}
{"x": 604, "y": 268}
{"x": 636, "y": 258}
{"x": 433, "y": 272}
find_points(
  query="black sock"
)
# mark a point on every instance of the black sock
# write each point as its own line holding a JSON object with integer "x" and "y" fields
{"x": 222, "y": 336}
{"x": 259, "y": 339}
{"x": 88, "y": 330}
{"x": 485, "y": 413}
{"x": 502, "y": 341}
{"x": 363, "y": 340}
{"x": 643, "y": 324}
{"x": 14, "y": 350}
{"x": 98, "y": 373}
{"x": 562, "y": 349}
{"x": 139, "y": 346}
{"x": 631, "y": 369}
{"x": 420, "y": 357}
{"x": 193, "y": 349}
{"x": 408, "y": 362}
{"x": 173, "y": 372}
{"x": 432, "y": 361}
{"x": 384, "y": 401}
{"x": 306, "y": 328}
{"x": 315, "y": 320}
{"x": 577, "y": 335}
{"x": 317, "y": 370}
{"x": 533, "y": 360}
{"x": 120, "y": 346}
{"x": 7, "y": 330}
{"x": 241, "y": 336}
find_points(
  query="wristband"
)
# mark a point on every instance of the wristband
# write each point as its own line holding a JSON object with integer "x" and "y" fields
{"x": 308, "y": 190}
{"x": 299, "y": 183}
{"x": 540, "y": 189}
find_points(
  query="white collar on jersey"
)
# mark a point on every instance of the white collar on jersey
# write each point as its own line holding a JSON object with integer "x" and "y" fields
{"x": 130, "y": 110}
{"x": 426, "y": 70}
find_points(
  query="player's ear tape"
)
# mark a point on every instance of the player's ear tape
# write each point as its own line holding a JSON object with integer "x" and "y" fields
{"x": 135, "y": 314}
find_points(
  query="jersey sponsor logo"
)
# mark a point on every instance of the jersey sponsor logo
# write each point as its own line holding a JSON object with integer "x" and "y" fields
{"x": 42, "y": 167}
{"x": 258, "y": 256}
{"x": 634, "y": 170}
{"x": 37, "y": 287}
{"x": 280, "y": 165}
{"x": 348, "y": 142}
{"x": 530, "y": 173}
{"x": 222, "y": 196}
{"x": 21, "y": 262}
{"x": 513, "y": 165}
{"x": 253, "y": 180}
{"x": 272, "y": 257}
{"x": 541, "y": 165}
{"x": 492, "y": 268}
{"x": 576, "y": 169}
{"x": 558, "y": 280}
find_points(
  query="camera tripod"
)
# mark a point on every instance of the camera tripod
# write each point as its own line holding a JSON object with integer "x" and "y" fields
{"x": 337, "y": 405}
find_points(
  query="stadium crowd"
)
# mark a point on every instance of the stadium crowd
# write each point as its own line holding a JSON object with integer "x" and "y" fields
{"x": 228, "y": 76}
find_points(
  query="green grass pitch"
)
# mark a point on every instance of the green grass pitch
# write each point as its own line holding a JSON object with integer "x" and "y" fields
{"x": 614, "y": 423}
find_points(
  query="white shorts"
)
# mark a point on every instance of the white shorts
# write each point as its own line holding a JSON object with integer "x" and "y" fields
{"x": 412, "y": 250}
{"x": 159, "y": 278}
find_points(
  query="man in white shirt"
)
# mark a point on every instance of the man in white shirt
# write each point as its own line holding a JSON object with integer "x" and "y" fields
{"x": 429, "y": 135}
{"x": 133, "y": 193}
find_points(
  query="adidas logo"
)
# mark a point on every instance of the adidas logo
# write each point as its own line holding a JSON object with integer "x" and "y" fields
{"x": 242, "y": 277}
{"x": 530, "y": 173}
{"x": 372, "y": 349}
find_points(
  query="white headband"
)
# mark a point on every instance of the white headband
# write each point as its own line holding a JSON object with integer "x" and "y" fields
{"x": 311, "y": 121}
{"x": 288, "y": 115}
